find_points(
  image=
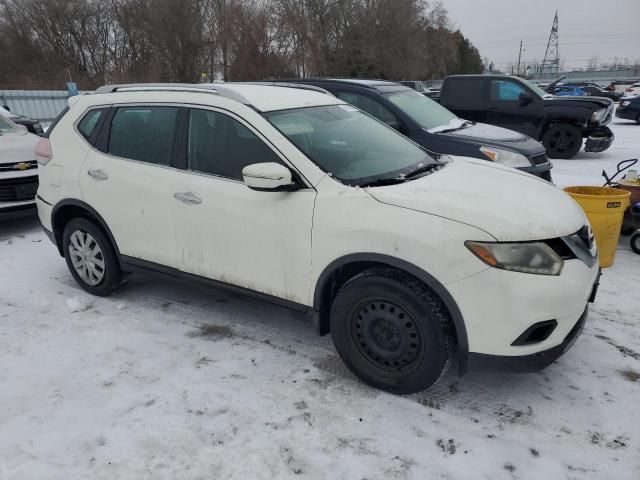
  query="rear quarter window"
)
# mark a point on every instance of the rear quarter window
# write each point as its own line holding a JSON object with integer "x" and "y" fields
{"x": 90, "y": 122}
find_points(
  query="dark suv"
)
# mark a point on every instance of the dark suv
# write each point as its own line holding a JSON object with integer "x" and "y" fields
{"x": 560, "y": 123}
{"x": 434, "y": 127}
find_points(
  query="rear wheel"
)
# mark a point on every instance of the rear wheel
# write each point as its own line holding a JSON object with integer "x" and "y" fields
{"x": 391, "y": 331}
{"x": 562, "y": 141}
{"x": 90, "y": 257}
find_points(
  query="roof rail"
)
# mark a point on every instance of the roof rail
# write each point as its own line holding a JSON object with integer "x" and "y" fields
{"x": 286, "y": 84}
{"x": 141, "y": 87}
{"x": 214, "y": 89}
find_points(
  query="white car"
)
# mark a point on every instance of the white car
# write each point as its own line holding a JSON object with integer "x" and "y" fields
{"x": 633, "y": 90}
{"x": 18, "y": 169}
{"x": 295, "y": 197}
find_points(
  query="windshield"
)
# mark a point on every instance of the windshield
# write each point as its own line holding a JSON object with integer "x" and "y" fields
{"x": 5, "y": 126}
{"x": 535, "y": 88}
{"x": 426, "y": 112}
{"x": 349, "y": 144}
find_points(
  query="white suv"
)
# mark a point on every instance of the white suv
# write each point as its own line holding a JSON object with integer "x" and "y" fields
{"x": 291, "y": 195}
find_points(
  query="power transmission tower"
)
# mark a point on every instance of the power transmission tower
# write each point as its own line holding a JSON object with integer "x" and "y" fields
{"x": 551, "y": 62}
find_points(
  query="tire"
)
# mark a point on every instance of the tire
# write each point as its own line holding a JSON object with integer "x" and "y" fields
{"x": 635, "y": 242}
{"x": 562, "y": 141}
{"x": 101, "y": 274}
{"x": 626, "y": 231}
{"x": 391, "y": 332}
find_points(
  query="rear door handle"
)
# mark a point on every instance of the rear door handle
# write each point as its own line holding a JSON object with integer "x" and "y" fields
{"x": 188, "y": 197}
{"x": 97, "y": 174}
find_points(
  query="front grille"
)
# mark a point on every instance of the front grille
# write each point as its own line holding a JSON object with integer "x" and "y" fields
{"x": 539, "y": 159}
{"x": 18, "y": 166}
{"x": 18, "y": 189}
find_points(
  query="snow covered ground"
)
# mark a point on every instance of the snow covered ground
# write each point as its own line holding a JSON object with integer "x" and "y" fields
{"x": 172, "y": 381}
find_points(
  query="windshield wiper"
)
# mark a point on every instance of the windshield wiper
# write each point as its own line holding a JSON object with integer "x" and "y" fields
{"x": 464, "y": 125}
{"x": 381, "y": 182}
{"x": 422, "y": 169}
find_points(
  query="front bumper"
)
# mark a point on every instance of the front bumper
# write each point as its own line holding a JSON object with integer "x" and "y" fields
{"x": 527, "y": 363}
{"x": 498, "y": 306}
{"x": 627, "y": 113}
{"x": 599, "y": 140}
{"x": 10, "y": 210}
{"x": 17, "y": 192}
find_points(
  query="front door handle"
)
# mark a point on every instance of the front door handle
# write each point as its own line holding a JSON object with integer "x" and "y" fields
{"x": 97, "y": 174}
{"x": 188, "y": 197}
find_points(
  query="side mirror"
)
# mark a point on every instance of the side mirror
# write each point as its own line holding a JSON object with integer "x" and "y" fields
{"x": 269, "y": 176}
{"x": 21, "y": 128}
{"x": 525, "y": 98}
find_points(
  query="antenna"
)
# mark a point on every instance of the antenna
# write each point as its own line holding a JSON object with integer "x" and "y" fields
{"x": 551, "y": 62}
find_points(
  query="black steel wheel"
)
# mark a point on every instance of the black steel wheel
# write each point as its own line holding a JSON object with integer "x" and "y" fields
{"x": 391, "y": 331}
{"x": 562, "y": 141}
{"x": 386, "y": 334}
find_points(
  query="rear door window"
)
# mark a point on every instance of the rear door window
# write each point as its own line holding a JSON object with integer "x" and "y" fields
{"x": 143, "y": 133}
{"x": 467, "y": 93}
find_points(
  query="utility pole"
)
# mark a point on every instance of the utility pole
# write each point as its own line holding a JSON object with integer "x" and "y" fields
{"x": 519, "y": 58}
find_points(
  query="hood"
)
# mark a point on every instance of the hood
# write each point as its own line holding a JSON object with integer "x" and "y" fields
{"x": 586, "y": 101}
{"x": 507, "y": 204}
{"x": 489, "y": 135}
{"x": 17, "y": 147}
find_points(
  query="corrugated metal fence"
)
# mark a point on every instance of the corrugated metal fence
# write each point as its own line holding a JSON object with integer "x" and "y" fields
{"x": 43, "y": 105}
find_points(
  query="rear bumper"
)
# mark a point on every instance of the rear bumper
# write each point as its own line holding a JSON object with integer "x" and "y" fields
{"x": 526, "y": 363}
{"x": 599, "y": 140}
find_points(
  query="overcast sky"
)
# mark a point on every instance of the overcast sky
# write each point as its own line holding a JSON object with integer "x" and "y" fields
{"x": 606, "y": 28}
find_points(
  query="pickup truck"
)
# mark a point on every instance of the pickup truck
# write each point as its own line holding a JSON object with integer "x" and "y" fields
{"x": 560, "y": 123}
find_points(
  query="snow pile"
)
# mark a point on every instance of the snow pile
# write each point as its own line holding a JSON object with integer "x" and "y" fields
{"x": 77, "y": 304}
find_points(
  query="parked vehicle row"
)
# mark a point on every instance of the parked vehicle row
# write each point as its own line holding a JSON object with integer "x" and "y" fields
{"x": 560, "y": 123}
{"x": 435, "y": 128}
{"x": 300, "y": 198}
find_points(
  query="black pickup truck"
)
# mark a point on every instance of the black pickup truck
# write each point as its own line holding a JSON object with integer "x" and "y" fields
{"x": 560, "y": 123}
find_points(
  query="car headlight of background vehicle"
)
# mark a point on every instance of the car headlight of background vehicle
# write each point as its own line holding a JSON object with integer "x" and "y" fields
{"x": 535, "y": 257}
{"x": 505, "y": 157}
{"x": 625, "y": 103}
{"x": 598, "y": 115}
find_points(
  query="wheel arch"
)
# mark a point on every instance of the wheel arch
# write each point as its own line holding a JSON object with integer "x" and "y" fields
{"x": 70, "y": 208}
{"x": 343, "y": 268}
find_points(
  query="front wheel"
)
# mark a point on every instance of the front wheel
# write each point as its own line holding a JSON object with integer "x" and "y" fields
{"x": 91, "y": 258}
{"x": 562, "y": 141}
{"x": 391, "y": 331}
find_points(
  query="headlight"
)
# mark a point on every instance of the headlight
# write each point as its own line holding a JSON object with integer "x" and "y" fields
{"x": 505, "y": 157}
{"x": 535, "y": 257}
{"x": 598, "y": 115}
{"x": 625, "y": 103}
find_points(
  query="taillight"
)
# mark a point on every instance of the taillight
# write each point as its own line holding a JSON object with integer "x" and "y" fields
{"x": 43, "y": 151}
